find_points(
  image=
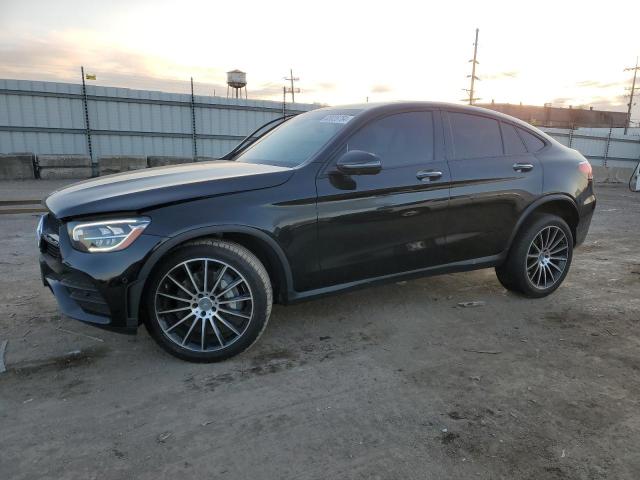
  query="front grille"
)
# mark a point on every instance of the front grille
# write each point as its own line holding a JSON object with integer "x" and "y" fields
{"x": 50, "y": 236}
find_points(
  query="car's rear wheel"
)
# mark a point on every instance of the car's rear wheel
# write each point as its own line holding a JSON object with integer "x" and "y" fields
{"x": 539, "y": 259}
{"x": 208, "y": 301}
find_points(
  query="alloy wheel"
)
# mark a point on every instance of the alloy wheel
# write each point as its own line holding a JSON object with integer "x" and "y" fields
{"x": 203, "y": 304}
{"x": 547, "y": 257}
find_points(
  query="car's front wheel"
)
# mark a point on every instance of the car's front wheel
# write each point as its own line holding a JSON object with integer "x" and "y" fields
{"x": 539, "y": 259}
{"x": 208, "y": 300}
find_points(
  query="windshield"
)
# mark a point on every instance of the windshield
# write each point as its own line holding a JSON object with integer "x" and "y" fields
{"x": 296, "y": 140}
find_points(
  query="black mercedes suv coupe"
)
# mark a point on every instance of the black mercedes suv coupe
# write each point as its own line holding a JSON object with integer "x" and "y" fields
{"x": 326, "y": 201}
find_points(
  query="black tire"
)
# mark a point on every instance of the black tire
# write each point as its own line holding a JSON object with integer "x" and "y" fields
{"x": 218, "y": 341}
{"x": 516, "y": 272}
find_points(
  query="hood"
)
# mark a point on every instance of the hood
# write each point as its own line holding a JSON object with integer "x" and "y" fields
{"x": 151, "y": 187}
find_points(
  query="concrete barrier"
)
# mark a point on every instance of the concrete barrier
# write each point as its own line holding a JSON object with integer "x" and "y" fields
{"x": 121, "y": 163}
{"x": 59, "y": 167}
{"x": 611, "y": 174}
{"x": 17, "y": 166}
{"x": 162, "y": 161}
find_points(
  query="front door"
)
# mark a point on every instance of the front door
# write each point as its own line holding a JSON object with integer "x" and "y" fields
{"x": 393, "y": 221}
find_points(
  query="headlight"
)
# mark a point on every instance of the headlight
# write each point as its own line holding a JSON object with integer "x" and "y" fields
{"x": 39, "y": 229}
{"x": 107, "y": 235}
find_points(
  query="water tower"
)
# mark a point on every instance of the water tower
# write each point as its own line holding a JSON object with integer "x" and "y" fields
{"x": 237, "y": 80}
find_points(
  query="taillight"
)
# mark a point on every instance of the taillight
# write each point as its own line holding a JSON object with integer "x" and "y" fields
{"x": 585, "y": 167}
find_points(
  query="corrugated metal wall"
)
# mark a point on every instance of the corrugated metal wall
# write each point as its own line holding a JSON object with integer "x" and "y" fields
{"x": 602, "y": 146}
{"x": 48, "y": 118}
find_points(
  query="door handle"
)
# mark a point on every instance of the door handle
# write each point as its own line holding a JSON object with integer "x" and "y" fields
{"x": 428, "y": 175}
{"x": 522, "y": 167}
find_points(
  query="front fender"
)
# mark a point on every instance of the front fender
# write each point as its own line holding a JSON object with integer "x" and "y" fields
{"x": 135, "y": 290}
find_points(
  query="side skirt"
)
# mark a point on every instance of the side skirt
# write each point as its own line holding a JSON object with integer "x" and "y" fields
{"x": 464, "y": 266}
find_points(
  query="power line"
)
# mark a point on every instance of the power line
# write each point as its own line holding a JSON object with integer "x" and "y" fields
{"x": 473, "y": 76}
{"x": 292, "y": 90}
{"x": 633, "y": 88}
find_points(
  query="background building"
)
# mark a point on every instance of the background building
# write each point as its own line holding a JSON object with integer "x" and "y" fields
{"x": 548, "y": 116}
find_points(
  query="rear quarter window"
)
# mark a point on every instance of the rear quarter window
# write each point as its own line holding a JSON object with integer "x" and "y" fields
{"x": 513, "y": 145}
{"x": 532, "y": 142}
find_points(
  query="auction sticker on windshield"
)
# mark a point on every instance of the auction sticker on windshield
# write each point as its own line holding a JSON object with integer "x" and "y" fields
{"x": 336, "y": 118}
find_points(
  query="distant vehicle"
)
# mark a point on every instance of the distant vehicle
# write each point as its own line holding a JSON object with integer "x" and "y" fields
{"x": 330, "y": 200}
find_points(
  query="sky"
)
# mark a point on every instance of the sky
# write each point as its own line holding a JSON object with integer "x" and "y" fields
{"x": 560, "y": 52}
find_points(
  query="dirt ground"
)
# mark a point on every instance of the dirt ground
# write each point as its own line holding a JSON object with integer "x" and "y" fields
{"x": 392, "y": 382}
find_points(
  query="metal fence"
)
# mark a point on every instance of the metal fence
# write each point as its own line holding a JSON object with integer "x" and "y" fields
{"x": 61, "y": 118}
{"x": 605, "y": 147}
{"x": 58, "y": 118}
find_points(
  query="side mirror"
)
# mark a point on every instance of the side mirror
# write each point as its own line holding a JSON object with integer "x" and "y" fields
{"x": 357, "y": 162}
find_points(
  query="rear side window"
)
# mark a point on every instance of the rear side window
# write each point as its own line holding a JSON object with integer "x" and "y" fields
{"x": 512, "y": 143}
{"x": 532, "y": 142}
{"x": 475, "y": 136}
{"x": 399, "y": 140}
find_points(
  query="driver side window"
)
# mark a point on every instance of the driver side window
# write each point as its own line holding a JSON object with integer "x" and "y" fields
{"x": 399, "y": 140}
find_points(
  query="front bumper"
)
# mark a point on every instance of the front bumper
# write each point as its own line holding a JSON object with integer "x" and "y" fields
{"x": 96, "y": 288}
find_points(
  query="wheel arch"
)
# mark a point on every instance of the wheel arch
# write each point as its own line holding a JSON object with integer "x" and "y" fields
{"x": 259, "y": 243}
{"x": 561, "y": 205}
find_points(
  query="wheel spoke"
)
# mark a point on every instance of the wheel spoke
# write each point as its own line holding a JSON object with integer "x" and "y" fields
{"x": 184, "y": 340}
{"x": 174, "y": 310}
{"x": 555, "y": 266}
{"x": 243, "y": 298}
{"x": 193, "y": 282}
{"x": 231, "y": 312}
{"x": 202, "y": 334}
{"x": 562, "y": 259}
{"x": 553, "y": 238}
{"x": 220, "y": 275}
{"x": 216, "y": 331}
{"x": 180, "y": 322}
{"x": 186, "y": 300}
{"x": 553, "y": 279}
{"x": 558, "y": 250}
{"x": 227, "y": 324}
{"x": 230, "y": 286}
{"x": 180, "y": 285}
{"x": 539, "y": 276}
{"x": 556, "y": 243}
{"x": 206, "y": 267}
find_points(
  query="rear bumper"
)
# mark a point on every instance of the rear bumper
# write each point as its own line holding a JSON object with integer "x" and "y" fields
{"x": 586, "y": 210}
{"x": 97, "y": 288}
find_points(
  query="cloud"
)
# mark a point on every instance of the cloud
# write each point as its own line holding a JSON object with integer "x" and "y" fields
{"x": 58, "y": 56}
{"x": 500, "y": 75}
{"x": 599, "y": 84}
{"x": 266, "y": 90}
{"x": 381, "y": 88}
{"x": 327, "y": 86}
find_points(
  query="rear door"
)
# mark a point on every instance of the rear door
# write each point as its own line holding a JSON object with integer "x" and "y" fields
{"x": 394, "y": 221}
{"x": 494, "y": 178}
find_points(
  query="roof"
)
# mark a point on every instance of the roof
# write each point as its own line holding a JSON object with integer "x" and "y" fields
{"x": 394, "y": 107}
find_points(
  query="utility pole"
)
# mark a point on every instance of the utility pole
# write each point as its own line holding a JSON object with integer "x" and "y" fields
{"x": 284, "y": 102}
{"x": 633, "y": 89}
{"x": 85, "y": 104}
{"x": 194, "y": 138}
{"x": 473, "y": 76}
{"x": 292, "y": 90}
